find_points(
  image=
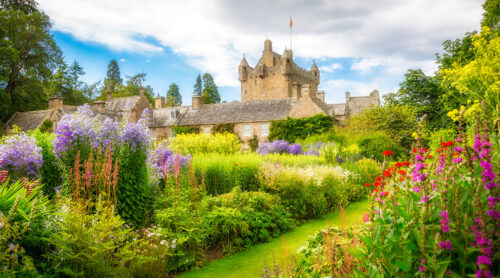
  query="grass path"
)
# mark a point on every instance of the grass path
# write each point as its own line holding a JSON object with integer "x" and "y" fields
{"x": 250, "y": 262}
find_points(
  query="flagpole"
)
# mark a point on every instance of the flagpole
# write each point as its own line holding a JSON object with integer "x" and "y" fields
{"x": 291, "y": 32}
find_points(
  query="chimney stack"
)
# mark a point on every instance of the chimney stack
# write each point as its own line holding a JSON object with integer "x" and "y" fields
{"x": 197, "y": 102}
{"x": 108, "y": 95}
{"x": 347, "y": 96}
{"x": 99, "y": 105}
{"x": 55, "y": 102}
{"x": 159, "y": 102}
{"x": 305, "y": 90}
{"x": 295, "y": 92}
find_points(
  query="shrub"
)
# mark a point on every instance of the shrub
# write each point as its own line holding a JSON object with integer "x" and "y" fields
{"x": 185, "y": 130}
{"x": 293, "y": 129}
{"x": 226, "y": 143}
{"x": 46, "y": 126}
{"x": 20, "y": 155}
{"x": 329, "y": 136}
{"x": 307, "y": 192}
{"x": 253, "y": 143}
{"x": 439, "y": 136}
{"x": 50, "y": 172}
{"x": 373, "y": 146}
{"x": 280, "y": 147}
{"x": 223, "y": 128}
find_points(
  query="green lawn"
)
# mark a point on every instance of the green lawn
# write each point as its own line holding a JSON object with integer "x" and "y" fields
{"x": 250, "y": 262}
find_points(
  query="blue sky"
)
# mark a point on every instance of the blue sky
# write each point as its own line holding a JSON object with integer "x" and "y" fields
{"x": 358, "y": 45}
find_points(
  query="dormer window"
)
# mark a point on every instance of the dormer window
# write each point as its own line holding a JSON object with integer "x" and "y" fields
{"x": 174, "y": 114}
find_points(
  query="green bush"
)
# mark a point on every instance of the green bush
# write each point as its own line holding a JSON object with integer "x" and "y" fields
{"x": 185, "y": 130}
{"x": 373, "y": 146}
{"x": 220, "y": 173}
{"x": 326, "y": 137}
{"x": 293, "y": 129}
{"x": 226, "y": 143}
{"x": 46, "y": 126}
{"x": 50, "y": 172}
{"x": 442, "y": 135}
{"x": 223, "y": 128}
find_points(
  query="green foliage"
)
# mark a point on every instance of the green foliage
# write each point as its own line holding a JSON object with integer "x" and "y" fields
{"x": 198, "y": 87}
{"x": 424, "y": 94}
{"x": 132, "y": 188}
{"x": 326, "y": 137}
{"x": 373, "y": 146}
{"x": 13, "y": 259}
{"x": 443, "y": 135}
{"x": 65, "y": 83}
{"x": 28, "y": 55}
{"x": 46, "y": 126}
{"x": 399, "y": 122}
{"x": 330, "y": 152}
{"x": 223, "y": 128}
{"x": 220, "y": 173}
{"x": 226, "y": 143}
{"x": 50, "y": 172}
{"x": 491, "y": 15}
{"x": 92, "y": 244}
{"x": 30, "y": 205}
{"x": 174, "y": 98}
{"x": 210, "y": 92}
{"x": 292, "y": 129}
{"x": 186, "y": 129}
{"x": 253, "y": 143}
{"x": 113, "y": 78}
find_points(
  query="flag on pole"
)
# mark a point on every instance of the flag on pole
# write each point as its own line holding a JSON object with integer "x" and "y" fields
{"x": 291, "y": 23}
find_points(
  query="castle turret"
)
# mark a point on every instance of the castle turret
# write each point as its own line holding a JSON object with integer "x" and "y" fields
{"x": 243, "y": 69}
{"x": 315, "y": 71}
{"x": 267, "y": 56}
{"x": 286, "y": 62}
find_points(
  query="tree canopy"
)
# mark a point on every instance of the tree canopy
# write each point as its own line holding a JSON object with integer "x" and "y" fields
{"x": 210, "y": 92}
{"x": 198, "y": 90}
{"x": 174, "y": 98}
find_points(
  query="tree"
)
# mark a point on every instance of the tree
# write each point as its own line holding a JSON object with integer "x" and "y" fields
{"x": 491, "y": 15}
{"x": 27, "y": 59}
{"x": 75, "y": 71}
{"x": 133, "y": 86}
{"x": 113, "y": 78}
{"x": 197, "y": 86}
{"x": 210, "y": 92}
{"x": 174, "y": 98}
{"x": 424, "y": 94}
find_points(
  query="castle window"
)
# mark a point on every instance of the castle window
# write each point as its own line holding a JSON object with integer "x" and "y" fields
{"x": 247, "y": 132}
{"x": 174, "y": 114}
{"x": 288, "y": 61}
{"x": 264, "y": 129}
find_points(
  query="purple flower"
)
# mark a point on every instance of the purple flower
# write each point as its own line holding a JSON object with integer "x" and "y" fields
{"x": 444, "y": 221}
{"x": 295, "y": 149}
{"x": 11, "y": 247}
{"x": 20, "y": 155}
{"x": 483, "y": 260}
{"x": 445, "y": 245}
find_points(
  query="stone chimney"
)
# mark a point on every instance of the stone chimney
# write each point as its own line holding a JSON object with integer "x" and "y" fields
{"x": 141, "y": 92}
{"x": 347, "y": 96}
{"x": 108, "y": 96}
{"x": 295, "y": 92}
{"x": 55, "y": 102}
{"x": 99, "y": 105}
{"x": 267, "y": 56}
{"x": 321, "y": 95}
{"x": 268, "y": 46}
{"x": 306, "y": 90}
{"x": 159, "y": 102}
{"x": 197, "y": 102}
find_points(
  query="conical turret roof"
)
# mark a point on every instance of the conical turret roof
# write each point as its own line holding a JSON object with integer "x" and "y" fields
{"x": 314, "y": 67}
{"x": 244, "y": 62}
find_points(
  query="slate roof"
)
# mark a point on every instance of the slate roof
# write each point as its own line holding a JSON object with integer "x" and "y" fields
{"x": 30, "y": 120}
{"x": 237, "y": 112}
{"x": 162, "y": 116}
{"x": 117, "y": 105}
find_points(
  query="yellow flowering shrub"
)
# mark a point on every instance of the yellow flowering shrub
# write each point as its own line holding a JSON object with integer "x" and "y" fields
{"x": 224, "y": 143}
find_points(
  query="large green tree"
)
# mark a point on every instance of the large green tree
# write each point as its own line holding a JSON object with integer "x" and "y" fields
{"x": 28, "y": 57}
{"x": 113, "y": 78}
{"x": 491, "y": 15}
{"x": 198, "y": 90}
{"x": 75, "y": 71}
{"x": 424, "y": 94}
{"x": 210, "y": 92}
{"x": 174, "y": 98}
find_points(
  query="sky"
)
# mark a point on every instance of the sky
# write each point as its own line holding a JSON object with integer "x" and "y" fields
{"x": 358, "y": 45}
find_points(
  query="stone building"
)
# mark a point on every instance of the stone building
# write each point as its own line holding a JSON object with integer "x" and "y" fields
{"x": 111, "y": 107}
{"x": 353, "y": 106}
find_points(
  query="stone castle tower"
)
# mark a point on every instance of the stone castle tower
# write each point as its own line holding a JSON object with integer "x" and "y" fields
{"x": 277, "y": 77}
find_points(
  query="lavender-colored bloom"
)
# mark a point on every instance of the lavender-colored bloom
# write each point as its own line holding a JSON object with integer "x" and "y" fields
{"x": 11, "y": 247}
{"x": 295, "y": 149}
{"x": 20, "y": 155}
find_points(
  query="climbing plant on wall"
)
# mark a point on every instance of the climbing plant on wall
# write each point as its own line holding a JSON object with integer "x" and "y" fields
{"x": 292, "y": 129}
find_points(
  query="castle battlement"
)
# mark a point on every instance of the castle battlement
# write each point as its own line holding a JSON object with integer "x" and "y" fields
{"x": 276, "y": 77}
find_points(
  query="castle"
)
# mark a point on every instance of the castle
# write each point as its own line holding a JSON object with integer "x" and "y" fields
{"x": 276, "y": 88}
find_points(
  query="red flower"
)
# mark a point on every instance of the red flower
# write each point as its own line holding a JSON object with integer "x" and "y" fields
{"x": 375, "y": 190}
{"x": 456, "y": 154}
{"x": 424, "y": 150}
{"x": 402, "y": 172}
{"x": 430, "y": 156}
{"x": 378, "y": 179}
{"x": 406, "y": 163}
{"x": 388, "y": 153}
{"x": 387, "y": 173}
{"x": 385, "y": 193}
{"x": 401, "y": 178}
{"x": 414, "y": 150}
{"x": 376, "y": 184}
{"x": 451, "y": 143}
{"x": 398, "y": 164}
{"x": 368, "y": 184}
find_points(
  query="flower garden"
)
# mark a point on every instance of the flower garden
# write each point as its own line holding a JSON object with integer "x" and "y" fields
{"x": 98, "y": 197}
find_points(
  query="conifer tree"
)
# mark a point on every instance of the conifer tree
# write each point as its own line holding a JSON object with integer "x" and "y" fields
{"x": 174, "y": 98}
{"x": 210, "y": 91}
{"x": 198, "y": 87}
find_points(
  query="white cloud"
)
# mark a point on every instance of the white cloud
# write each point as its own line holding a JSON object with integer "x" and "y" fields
{"x": 212, "y": 35}
{"x": 331, "y": 68}
{"x": 122, "y": 60}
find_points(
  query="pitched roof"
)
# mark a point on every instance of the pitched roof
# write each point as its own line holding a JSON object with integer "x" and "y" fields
{"x": 237, "y": 112}
{"x": 30, "y": 120}
{"x": 163, "y": 117}
{"x": 120, "y": 104}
